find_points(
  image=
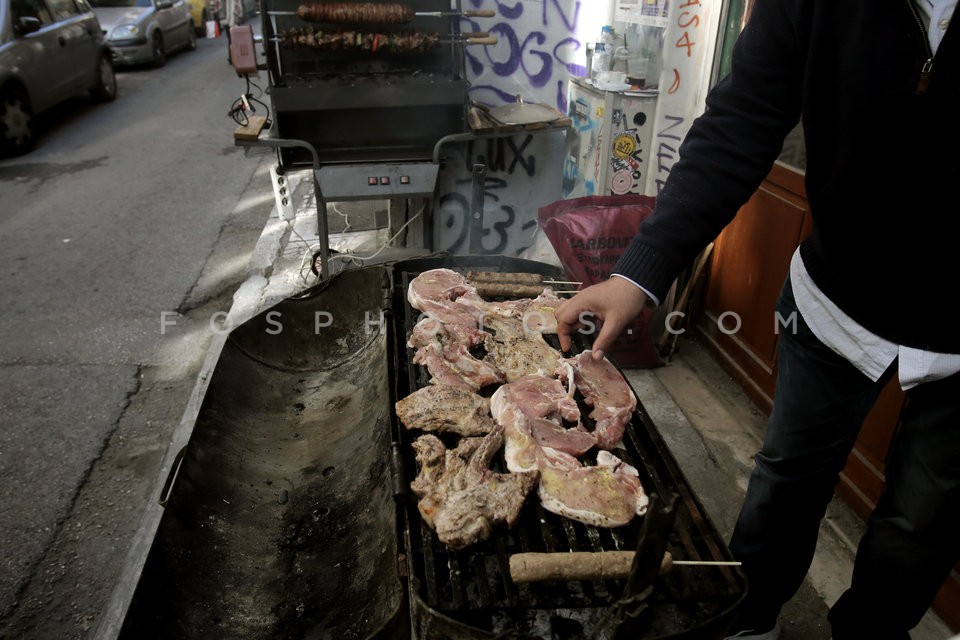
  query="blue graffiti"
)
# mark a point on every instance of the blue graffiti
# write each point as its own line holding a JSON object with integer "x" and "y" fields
{"x": 570, "y": 24}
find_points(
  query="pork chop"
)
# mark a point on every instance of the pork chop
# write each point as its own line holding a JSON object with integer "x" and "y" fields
{"x": 608, "y": 494}
{"x": 460, "y": 497}
{"x": 611, "y": 400}
{"x": 445, "y": 408}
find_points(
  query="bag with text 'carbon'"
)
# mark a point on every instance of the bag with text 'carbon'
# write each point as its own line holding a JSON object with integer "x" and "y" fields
{"x": 589, "y": 235}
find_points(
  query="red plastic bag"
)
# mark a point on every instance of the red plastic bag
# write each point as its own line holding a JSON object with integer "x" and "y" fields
{"x": 589, "y": 235}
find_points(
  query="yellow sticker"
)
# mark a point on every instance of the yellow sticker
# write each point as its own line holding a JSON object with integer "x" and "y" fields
{"x": 600, "y": 111}
{"x": 624, "y": 145}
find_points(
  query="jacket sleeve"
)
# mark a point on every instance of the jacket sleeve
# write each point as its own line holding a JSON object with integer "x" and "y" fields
{"x": 728, "y": 150}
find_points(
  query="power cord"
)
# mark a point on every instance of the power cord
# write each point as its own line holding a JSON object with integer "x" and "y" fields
{"x": 359, "y": 260}
{"x": 243, "y": 106}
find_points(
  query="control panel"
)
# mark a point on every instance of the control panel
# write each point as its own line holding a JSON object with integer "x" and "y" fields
{"x": 341, "y": 182}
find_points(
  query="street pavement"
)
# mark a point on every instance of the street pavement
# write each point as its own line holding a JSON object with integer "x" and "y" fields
{"x": 124, "y": 212}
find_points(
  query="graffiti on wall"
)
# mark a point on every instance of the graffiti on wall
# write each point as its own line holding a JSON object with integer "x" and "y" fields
{"x": 538, "y": 50}
{"x": 514, "y": 187}
{"x": 688, "y": 48}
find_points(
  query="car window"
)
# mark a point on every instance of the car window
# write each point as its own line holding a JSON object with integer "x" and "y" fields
{"x": 63, "y": 9}
{"x": 32, "y": 9}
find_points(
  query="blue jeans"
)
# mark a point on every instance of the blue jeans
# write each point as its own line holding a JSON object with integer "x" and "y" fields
{"x": 912, "y": 538}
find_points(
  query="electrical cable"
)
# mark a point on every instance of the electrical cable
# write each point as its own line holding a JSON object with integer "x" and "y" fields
{"x": 244, "y": 105}
{"x": 350, "y": 256}
{"x": 358, "y": 260}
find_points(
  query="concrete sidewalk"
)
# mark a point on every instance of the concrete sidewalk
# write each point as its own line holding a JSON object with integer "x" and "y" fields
{"x": 710, "y": 425}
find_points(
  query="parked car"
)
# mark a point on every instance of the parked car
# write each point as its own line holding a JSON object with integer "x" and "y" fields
{"x": 50, "y": 50}
{"x": 145, "y": 31}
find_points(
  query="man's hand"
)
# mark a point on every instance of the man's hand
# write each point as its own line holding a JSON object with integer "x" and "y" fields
{"x": 615, "y": 302}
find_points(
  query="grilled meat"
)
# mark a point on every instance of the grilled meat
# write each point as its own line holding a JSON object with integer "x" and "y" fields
{"x": 315, "y": 38}
{"x": 517, "y": 352}
{"x": 355, "y": 12}
{"x": 460, "y": 497}
{"x": 447, "y": 409}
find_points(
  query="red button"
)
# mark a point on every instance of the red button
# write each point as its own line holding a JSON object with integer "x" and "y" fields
{"x": 372, "y": 181}
{"x": 404, "y": 179}
{"x": 384, "y": 180}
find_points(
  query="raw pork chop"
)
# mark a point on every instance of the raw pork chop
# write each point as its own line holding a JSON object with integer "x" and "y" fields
{"x": 531, "y": 410}
{"x": 438, "y": 293}
{"x": 441, "y": 407}
{"x": 606, "y": 495}
{"x": 445, "y": 351}
{"x": 605, "y": 390}
{"x": 460, "y": 497}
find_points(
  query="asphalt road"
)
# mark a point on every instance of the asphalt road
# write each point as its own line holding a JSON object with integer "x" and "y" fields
{"x": 126, "y": 213}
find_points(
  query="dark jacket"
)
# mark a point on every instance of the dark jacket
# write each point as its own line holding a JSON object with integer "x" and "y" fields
{"x": 882, "y": 179}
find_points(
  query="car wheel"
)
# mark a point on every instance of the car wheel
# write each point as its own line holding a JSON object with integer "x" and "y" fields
{"x": 159, "y": 52}
{"x": 106, "y": 88}
{"x": 16, "y": 123}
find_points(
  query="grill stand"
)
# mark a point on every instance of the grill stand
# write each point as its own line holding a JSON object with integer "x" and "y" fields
{"x": 654, "y": 540}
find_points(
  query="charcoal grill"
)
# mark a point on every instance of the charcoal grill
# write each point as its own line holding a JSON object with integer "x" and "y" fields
{"x": 288, "y": 513}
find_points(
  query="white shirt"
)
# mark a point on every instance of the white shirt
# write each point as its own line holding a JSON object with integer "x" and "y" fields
{"x": 870, "y": 353}
{"x": 936, "y": 14}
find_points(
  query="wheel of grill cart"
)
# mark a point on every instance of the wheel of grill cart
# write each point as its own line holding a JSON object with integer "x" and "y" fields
{"x": 159, "y": 52}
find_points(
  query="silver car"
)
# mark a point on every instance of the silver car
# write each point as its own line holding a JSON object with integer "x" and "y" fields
{"x": 50, "y": 50}
{"x": 145, "y": 31}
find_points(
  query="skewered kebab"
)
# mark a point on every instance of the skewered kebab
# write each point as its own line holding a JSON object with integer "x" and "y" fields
{"x": 492, "y": 283}
{"x": 409, "y": 42}
{"x": 370, "y": 12}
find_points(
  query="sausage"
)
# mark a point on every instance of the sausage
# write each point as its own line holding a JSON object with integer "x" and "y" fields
{"x": 579, "y": 565}
{"x": 530, "y": 279}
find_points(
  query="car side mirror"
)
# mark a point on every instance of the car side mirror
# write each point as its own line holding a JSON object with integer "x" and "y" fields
{"x": 27, "y": 24}
{"x": 164, "y": 4}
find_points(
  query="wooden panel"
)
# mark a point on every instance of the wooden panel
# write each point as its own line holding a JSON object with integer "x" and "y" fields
{"x": 750, "y": 261}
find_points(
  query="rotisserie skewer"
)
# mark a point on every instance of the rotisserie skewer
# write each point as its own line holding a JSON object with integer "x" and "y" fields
{"x": 410, "y": 42}
{"x": 371, "y": 13}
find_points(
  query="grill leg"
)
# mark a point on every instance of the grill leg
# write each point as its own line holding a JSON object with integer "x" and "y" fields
{"x": 476, "y": 209}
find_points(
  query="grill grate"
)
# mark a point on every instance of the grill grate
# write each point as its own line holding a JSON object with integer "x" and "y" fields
{"x": 473, "y": 586}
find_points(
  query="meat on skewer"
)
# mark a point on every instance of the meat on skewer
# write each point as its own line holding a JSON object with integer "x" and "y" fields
{"x": 372, "y": 12}
{"x": 354, "y": 12}
{"x": 307, "y": 37}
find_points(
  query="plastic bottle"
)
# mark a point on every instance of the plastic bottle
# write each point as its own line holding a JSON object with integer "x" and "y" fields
{"x": 598, "y": 63}
{"x": 602, "y": 54}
